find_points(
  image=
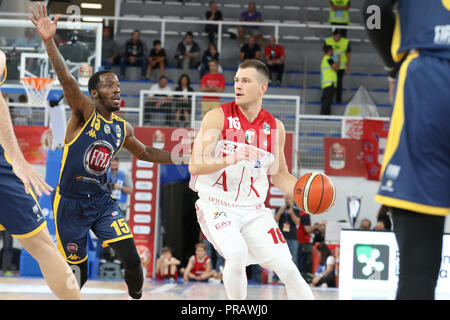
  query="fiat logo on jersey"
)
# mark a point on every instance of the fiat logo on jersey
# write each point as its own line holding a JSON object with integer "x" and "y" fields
{"x": 98, "y": 157}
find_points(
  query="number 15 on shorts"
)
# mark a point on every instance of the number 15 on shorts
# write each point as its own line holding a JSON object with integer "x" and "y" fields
{"x": 120, "y": 226}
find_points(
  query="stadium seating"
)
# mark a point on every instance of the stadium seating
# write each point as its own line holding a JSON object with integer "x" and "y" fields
{"x": 303, "y": 46}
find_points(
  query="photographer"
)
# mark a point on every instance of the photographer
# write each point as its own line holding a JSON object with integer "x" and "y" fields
{"x": 288, "y": 219}
{"x": 120, "y": 185}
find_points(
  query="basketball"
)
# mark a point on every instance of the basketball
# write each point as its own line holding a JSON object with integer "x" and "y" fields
{"x": 314, "y": 193}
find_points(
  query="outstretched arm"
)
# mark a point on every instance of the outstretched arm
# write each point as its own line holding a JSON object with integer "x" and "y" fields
{"x": 8, "y": 141}
{"x": 148, "y": 153}
{"x": 75, "y": 98}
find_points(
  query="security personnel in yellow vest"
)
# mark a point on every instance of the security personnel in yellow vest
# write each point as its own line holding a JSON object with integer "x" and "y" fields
{"x": 341, "y": 48}
{"x": 328, "y": 78}
{"x": 339, "y": 13}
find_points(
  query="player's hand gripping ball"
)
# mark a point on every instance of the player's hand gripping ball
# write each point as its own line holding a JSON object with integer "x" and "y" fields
{"x": 314, "y": 193}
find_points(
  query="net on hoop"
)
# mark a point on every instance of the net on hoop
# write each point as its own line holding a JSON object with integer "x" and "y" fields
{"x": 37, "y": 89}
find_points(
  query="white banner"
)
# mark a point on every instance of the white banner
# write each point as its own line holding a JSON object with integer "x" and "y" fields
{"x": 369, "y": 261}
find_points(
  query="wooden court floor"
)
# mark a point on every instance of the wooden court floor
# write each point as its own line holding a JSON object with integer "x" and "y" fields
{"x": 29, "y": 288}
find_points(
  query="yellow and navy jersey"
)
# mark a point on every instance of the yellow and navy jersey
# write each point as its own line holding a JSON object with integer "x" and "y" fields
{"x": 422, "y": 25}
{"x": 86, "y": 159}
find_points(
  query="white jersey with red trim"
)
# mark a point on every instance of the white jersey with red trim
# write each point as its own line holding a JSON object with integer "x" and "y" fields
{"x": 241, "y": 184}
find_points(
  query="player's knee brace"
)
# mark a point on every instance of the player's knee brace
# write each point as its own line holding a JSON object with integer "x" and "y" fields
{"x": 134, "y": 277}
{"x": 127, "y": 253}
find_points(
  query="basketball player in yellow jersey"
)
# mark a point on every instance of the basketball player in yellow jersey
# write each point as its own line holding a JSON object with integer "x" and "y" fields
{"x": 20, "y": 213}
{"x": 94, "y": 135}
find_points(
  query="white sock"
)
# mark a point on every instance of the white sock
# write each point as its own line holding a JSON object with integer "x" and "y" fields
{"x": 235, "y": 279}
{"x": 287, "y": 271}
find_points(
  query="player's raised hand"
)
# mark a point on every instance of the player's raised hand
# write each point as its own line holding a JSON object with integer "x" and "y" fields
{"x": 41, "y": 21}
{"x": 30, "y": 178}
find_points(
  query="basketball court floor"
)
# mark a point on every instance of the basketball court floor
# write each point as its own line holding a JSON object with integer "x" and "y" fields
{"x": 30, "y": 288}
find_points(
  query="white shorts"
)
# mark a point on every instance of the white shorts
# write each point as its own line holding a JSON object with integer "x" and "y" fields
{"x": 251, "y": 228}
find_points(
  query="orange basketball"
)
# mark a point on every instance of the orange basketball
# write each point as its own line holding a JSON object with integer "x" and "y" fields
{"x": 314, "y": 193}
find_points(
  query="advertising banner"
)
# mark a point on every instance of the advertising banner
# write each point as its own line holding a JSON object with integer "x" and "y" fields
{"x": 369, "y": 261}
{"x": 344, "y": 157}
{"x": 33, "y": 142}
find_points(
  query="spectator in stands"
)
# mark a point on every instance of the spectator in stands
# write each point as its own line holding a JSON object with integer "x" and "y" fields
{"x": 59, "y": 40}
{"x": 75, "y": 50}
{"x": 188, "y": 52}
{"x": 120, "y": 185}
{"x": 199, "y": 265}
{"x": 251, "y": 15}
{"x": 209, "y": 54}
{"x": 319, "y": 231}
{"x": 275, "y": 58}
{"x": 380, "y": 226}
{"x": 288, "y": 218}
{"x": 383, "y": 219}
{"x": 328, "y": 76}
{"x": 213, "y": 15}
{"x": 167, "y": 265}
{"x": 339, "y": 14}
{"x": 183, "y": 103}
{"x": 159, "y": 104}
{"x": 28, "y": 40}
{"x": 135, "y": 54}
{"x": 250, "y": 50}
{"x": 325, "y": 274}
{"x": 304, "y": 257}
{"x": 212, "y": 82}
{"x": 365, "y": 225}
{"x": 156, "y": 59}
{"x": 110, "y": 50}
{"x": 217, "y": 261}
{"x": 341, "y": 48}
{"x": 22, "y": 115}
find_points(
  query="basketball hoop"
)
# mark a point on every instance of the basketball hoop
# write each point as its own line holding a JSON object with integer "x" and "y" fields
{"x": 37, "y": 89}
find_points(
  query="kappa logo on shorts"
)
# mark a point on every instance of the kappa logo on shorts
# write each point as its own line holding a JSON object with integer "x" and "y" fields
{"x": 73, "y": 257}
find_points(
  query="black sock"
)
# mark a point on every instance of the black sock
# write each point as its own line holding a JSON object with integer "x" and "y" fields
{"x": 134, "y": 276}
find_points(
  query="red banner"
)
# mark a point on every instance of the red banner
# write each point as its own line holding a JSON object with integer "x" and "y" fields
{"x": 374, "y": 138}
{"x": 344, "y": 157}
{"x": 34, "y": 142}
{"x": 144, "y": 199}
{"x": 274, "y": 196}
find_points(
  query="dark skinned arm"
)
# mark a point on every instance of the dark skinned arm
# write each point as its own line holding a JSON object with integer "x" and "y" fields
{"x": 148, "y": 153}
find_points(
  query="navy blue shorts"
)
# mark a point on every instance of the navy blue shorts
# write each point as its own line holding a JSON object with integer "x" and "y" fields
{"x": 416, "y": 167}
{"x": 75, "y": 215}
{"x": 20, "y": 213}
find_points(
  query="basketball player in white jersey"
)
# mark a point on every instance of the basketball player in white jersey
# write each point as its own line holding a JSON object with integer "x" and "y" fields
{"x": 239, "y": 144}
